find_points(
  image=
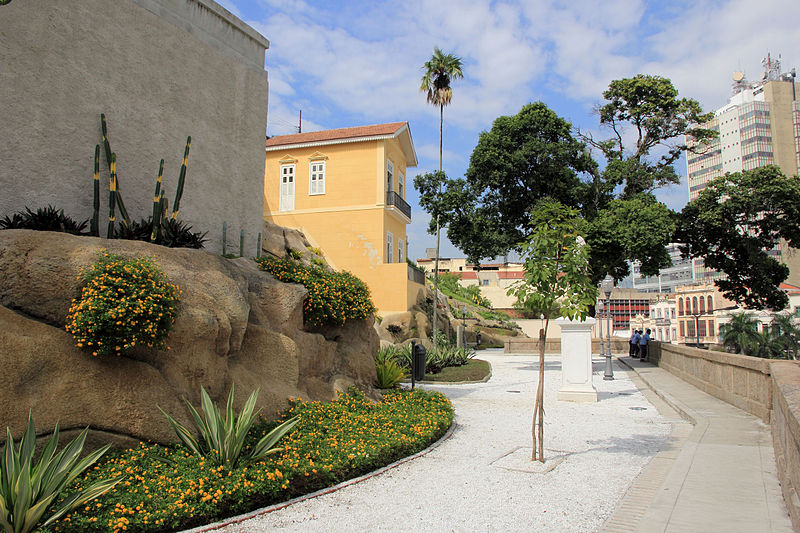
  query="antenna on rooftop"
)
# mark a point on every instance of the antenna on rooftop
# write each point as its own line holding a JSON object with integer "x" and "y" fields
{"x": 300, "y": 123}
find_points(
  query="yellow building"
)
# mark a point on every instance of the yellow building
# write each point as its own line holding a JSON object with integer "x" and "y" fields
{"x": 346, "y": 189}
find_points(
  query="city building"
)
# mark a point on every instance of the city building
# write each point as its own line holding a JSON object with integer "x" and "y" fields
{"x": 700, "y": 310}
{"x": 760, "y": 125}
{"x": 663, "y": 314}
{"x": 630, "y": 309}
{"x": 346, "y": 190}
{"x": 494, "y": 279}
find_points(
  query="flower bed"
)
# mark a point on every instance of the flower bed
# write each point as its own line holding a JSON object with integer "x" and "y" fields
{"x": 167, "y": 488}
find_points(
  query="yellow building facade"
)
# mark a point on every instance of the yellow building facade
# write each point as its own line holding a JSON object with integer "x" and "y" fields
{"x": 345, "y": 189}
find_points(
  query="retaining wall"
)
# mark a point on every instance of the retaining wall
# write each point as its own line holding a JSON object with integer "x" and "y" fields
{"x": 160, "y": 70}
{"x": 553, "y": 346}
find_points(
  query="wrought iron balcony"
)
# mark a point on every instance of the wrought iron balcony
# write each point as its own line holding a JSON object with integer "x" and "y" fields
{"x": 392, "y": 198}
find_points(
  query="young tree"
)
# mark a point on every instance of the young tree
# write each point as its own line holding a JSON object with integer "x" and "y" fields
{"x": 439, "y": 70}
{"x": 734, "y": 223}
{"x": 557, "y": 282}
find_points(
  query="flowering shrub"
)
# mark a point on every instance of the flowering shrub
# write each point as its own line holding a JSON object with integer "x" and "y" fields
{"x": 169, "y": 488}
{"x": 124, "y": 302}
{"x": 333, "y": 297}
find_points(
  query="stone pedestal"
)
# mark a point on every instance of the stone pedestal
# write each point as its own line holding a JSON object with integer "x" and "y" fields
{"x": 461, "y": 336}
{"x": 576, "y": 361}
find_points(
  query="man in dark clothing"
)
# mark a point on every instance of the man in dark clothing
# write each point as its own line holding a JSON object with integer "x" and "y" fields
{"x": 634, "y": 351}
{"x": 644, "y": 342}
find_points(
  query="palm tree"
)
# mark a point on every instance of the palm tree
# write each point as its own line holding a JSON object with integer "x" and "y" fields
{"x": 740, "y": 334}
{"x": 439, "y": 70}
{"x": 787, "y": 336}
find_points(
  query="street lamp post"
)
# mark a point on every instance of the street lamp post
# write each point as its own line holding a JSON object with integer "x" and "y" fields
{"x": 464, "y": 315}
{"x": 696, "y": 328}
{"x": 600, "y": 316}
{"x": 607, "y": 286}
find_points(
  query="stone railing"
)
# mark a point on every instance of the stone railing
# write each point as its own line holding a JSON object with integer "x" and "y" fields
{"x": 740, "y": 380}
{"x": 766, "y": 388}
{"x": 786, "y": 432}
{"x": 553, "y": 346}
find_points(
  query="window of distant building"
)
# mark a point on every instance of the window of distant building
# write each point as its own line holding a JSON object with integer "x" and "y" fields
{"x": 400, "y": 257}
{"x": 401, "y": 185}
{"x": 485, "y": 282}
{"x": 680, "y": 308}
{"x": 694, "y": 304}
{"x": 389, "y": 247}
{"x": 683, "y": 331}
{"x": 389, "y": 175}
{"x": 710, "y": 305}
{"x": 702, "y": 305}
{"x": 316, "y": 173}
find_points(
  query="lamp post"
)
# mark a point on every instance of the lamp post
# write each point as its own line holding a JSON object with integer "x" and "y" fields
{"x": 696, "y": 316}
{"x": 600, "y": 317}
{"x": 464, "y": 315}
{"x": 607, "y": 286}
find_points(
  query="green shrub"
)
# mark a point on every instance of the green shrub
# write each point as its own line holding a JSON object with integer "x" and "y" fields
{"x": 333, "y": 297}
{"x": 295, "y": 254}
{"x": 317, "y": 261}
{"x": 389, "y": 372}
{"x": 223, "y": 436}
{"x": 28, "y": 489}
{"x": 169, "y": 488}
{"x": 47, "y": 219}
{"x": 314, "y": 250}
{"x": 124, "y": 303}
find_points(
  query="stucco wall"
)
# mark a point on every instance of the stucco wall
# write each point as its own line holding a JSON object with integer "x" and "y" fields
{"x": 160, "y": 70}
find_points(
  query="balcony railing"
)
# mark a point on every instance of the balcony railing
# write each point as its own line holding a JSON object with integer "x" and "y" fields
{"x": 392, "y": 198}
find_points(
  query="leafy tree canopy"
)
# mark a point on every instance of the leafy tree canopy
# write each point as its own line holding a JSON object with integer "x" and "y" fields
{"x": 523, "y": 159}
{"x": 649, "y": 107}
{"x": 734, "y": 222}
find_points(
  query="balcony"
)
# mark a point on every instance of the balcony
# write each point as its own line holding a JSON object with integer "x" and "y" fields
{"x": 392, "y": 198}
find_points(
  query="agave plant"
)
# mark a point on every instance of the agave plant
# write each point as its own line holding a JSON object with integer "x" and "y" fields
{"x": 29, "y": 489}
{"x": 222, "y": 437}
{"x": 388, "y": 371}
{"x": 44, "y": 219}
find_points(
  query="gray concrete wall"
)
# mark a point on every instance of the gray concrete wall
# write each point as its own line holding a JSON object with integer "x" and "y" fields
{"x": 160, "y": 70}
{"x": 786, "y": 432}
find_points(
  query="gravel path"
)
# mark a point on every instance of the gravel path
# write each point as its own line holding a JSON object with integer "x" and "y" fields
{"x": 481, "y": 478}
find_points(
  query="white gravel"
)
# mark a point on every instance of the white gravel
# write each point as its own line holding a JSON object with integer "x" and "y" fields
{"x": 481, "y": 478}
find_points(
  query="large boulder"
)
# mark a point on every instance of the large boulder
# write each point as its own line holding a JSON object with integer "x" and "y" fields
{"x": 236, "y": 326}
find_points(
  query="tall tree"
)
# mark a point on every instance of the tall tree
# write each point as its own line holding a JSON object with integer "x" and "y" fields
{"x": 735, "y": 222}
{"x": 740, "y": 334}
{"x": 557, "y": 282}
{"x": 521, "y": 160}
{"x": 440, "y": 69}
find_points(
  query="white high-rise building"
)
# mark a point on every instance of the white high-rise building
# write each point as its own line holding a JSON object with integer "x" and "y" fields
{"x": 759, "y": 126}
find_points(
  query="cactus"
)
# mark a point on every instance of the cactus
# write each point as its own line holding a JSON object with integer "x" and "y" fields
{"x": 95, "y": 225}
{"x": 109, "y": 154}
{"x": 157, "y": 203}
{"x": 112, "y": 196}
{"x": 177, "y": 204}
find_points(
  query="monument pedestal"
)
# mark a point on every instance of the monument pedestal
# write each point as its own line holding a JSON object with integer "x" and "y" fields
{"x": 576, "y": 361}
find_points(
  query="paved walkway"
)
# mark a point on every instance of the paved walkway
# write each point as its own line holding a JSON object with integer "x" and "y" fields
{"x": 482, "y": 479}
{"x": 719, "y": 475}
{"x": 654, "y": 454}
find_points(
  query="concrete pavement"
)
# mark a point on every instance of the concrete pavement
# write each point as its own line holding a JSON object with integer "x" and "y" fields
{"x": 718, "y": 475}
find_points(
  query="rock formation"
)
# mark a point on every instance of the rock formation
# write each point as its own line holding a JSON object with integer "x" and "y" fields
{"x": 236, "y": 325}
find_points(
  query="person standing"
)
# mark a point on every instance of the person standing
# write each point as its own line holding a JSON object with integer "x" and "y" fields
{"x": 634, "y": 340}
{"x": 644, "y": 344}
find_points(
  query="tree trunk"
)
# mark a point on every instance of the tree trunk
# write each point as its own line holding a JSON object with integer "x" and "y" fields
{"x": 538, "y": 407}
{"x": 436, "y": 263}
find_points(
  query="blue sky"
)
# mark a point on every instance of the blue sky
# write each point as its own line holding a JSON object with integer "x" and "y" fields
{"x": 359, "y": 62}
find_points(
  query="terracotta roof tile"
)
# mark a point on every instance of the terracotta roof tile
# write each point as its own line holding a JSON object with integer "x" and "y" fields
{"x": 341, "y": 133}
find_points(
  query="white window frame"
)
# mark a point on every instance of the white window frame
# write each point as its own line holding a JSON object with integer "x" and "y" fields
{"x": 389, "y": 175}
{"x": 389, "y": 247}
{"x": 287, "y": 197}
{"x": 401, "y": 185}
{"x": 400, "y": 258}
{"x": 320, "y": 181}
